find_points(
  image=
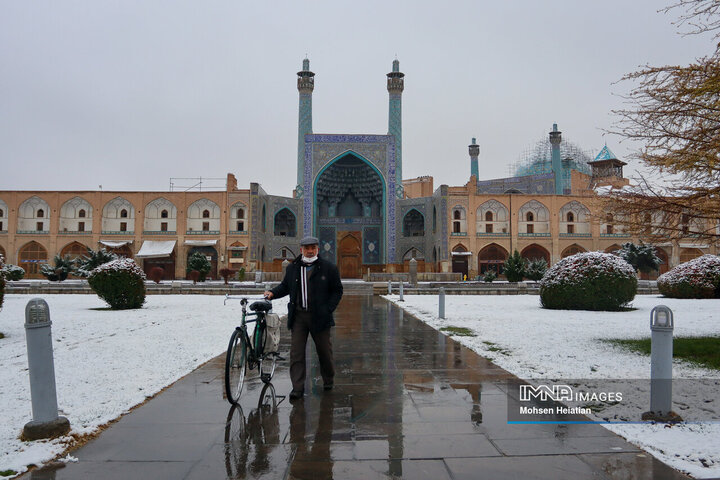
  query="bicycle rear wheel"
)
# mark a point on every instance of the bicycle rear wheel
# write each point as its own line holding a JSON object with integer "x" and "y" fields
{"x": 235, "y": 366}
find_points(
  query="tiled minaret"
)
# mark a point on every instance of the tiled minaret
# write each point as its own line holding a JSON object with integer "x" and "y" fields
{"x": 395, "y": 86}
{"x": 474, "y": 150}
{"x": 305, "y": 85}
{"x": 555, "y": 139}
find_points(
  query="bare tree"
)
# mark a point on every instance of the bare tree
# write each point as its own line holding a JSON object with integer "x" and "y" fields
{"x": 674, "y": 111}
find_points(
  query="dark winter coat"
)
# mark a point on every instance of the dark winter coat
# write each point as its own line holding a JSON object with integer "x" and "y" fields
{"x": 324, "y": 292}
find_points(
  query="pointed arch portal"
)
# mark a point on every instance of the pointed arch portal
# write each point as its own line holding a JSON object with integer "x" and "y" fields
{"x": 349, "y": 203}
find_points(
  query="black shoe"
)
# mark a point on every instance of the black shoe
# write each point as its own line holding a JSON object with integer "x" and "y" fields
{"x": 328, "y": 386}
{"x": 296, "y": 394}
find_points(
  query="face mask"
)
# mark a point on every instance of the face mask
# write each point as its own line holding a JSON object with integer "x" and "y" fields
{"x": 309, "y": 259}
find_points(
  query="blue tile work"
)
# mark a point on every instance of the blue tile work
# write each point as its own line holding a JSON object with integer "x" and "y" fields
{"x": 391, "y": 200}
{"x": 350, "y": 221}
{"x": 254, "y": 203}
{"x": 327, "y": 237}
{"x": 379, "y": 150}
{"x": 372, "y": 246}
{"x": 395, "y": 129}
{"x": 444, "y": 219}
{"x": 307, "y": 187}
{"x": 304, "y": 127}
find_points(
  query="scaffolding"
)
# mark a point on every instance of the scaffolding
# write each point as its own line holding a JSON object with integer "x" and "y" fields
{"x": 537, "y": 159}
{"x": 196, "y": 184}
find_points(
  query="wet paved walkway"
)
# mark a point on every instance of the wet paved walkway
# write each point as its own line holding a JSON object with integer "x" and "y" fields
{"x": 408, "y": 403}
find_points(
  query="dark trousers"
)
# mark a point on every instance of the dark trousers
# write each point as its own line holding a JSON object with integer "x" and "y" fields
{"x": 298, "y": 341}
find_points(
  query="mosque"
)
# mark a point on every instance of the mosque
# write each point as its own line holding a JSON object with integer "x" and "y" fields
{"x": 351, "y": 194}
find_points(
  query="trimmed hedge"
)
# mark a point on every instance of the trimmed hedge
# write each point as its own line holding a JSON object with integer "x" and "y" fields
{"x": 121, "y": 283}
{"x": 698, "y": 278}
{"x": 589, "y": 281}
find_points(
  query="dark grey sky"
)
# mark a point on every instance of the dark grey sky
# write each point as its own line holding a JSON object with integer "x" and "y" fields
{"x": 126, "y": 94}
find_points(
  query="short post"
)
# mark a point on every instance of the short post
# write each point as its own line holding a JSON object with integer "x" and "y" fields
{"x": 46, "y": 423}
{"x": 413, "y": 272}
{"x": 285, "y": 264}
{"x": 661, "y": 355}
{"x": 401, "y": 292}
{"x": 441, "y": 306}
{"x": 389, "y": 287}
{"x": 258, "y": 276}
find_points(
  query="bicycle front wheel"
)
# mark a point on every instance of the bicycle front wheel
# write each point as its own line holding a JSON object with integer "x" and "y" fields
{"x": 235, "y": 366}
{"x": 267, "y": 367}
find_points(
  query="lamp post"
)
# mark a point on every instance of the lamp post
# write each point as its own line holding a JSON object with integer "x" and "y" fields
{"x": 661, "y": 355}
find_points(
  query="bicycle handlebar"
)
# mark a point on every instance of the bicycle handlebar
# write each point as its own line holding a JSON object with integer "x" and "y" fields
{"x": 243, "y": 300}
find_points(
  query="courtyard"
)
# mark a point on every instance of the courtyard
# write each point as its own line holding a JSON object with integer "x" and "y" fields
{"x": 409, "y": 401}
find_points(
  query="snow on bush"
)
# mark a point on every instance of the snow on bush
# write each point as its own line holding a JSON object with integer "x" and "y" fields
{"x": 12, "y": 272}
{"x": 698, "y": 278}
{"x": 589, "y": 281}
{"x": 121, "y": 283}
{"x": 2, "y": 282}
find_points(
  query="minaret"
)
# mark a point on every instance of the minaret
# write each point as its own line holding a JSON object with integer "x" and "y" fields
{"x": 555, "y": 139}
{"x": 305, "y": 85}
{"x": 474, "y": 150}
{"x": 395, "y": 86}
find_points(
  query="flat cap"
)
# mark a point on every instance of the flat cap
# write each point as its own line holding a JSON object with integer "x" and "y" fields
{"x": 309, "y": 241}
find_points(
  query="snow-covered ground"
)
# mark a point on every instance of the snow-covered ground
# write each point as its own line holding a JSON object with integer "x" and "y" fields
{"x": 533, "y": 343}
{"x": 106, "y": 361}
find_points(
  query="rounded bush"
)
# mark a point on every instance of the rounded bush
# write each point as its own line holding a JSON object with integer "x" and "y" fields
{"x": 2, "y": 283}
{"x": 121, "y": 283}
{"x": 589, "y": 281}
{"x": 698, "y": 278}
{"x": 12, "y": 272}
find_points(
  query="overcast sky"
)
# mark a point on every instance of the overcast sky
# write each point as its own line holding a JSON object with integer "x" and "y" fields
{"x": 126, "y": 94}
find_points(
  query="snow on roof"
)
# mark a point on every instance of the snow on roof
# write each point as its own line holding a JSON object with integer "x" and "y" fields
{"x": 201, "y": 243}
{"x": 115, "y": 243}
{"x": 156, "y": 249}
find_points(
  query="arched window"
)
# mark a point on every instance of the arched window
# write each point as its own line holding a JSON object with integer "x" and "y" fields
{"x": 164, "y": 214}
{"x": 609, "y": 218}
{"x": 570, "y": 217}
{"x": 285, "y": 223}
{"x": 240, "y": 213}
{"x": 206, "y": 214}
{"x": 456, "y": 215}
{"x": 40, "y": 213}
{"x": 2, "y": 213}
{"x": 488, "y": 216}
{"x": 81, "y": 213}
{"x": 434, "y": 220}
{"x": 529, "y": 217}
{"x": 123, "y": 213}
{"x": 413, "y": 224}
{"x": 264, "y": 224}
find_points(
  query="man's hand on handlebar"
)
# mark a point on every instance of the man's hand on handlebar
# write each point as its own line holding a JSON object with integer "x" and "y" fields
{"x": 268, "y": 295}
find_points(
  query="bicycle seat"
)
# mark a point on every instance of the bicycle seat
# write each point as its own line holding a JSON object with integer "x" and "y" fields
{"x": 261, "y": 306}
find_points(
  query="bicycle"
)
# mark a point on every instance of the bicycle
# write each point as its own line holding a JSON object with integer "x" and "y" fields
{"x": 243, "y": 354}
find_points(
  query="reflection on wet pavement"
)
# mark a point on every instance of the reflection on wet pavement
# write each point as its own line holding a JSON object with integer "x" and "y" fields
{"x": 408, "y": 402}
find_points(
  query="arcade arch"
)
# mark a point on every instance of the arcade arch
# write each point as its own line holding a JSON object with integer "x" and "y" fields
{"x": 492, "y": 258}
{"x": 30, "y": 257}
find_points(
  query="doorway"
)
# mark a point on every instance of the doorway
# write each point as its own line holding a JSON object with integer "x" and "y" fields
{"x": 349, "y": 255}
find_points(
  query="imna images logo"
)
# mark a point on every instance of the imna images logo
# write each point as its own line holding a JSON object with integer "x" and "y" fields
{"x": 544, "y": 393}
{"x": 564, "y": 393}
